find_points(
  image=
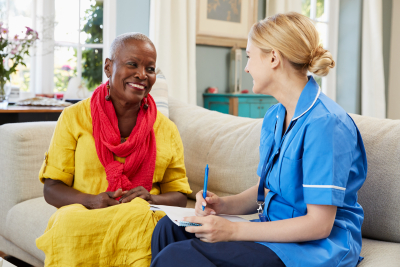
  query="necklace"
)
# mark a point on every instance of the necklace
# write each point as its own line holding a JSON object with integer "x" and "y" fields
{"x": 123, "y": 140}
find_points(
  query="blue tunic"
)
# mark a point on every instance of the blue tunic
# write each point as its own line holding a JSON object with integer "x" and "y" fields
{"x": 321, "y": 160}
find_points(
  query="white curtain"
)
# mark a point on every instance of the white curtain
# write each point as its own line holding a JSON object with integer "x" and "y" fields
{"x": 394, "y": 69}
{"x": 173, "y": 31}
{"x": 282, "y": 6}
{"x": 372, "y": 76}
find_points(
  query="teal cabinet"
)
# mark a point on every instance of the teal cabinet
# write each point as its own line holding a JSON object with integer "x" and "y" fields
{"x": 242, "y": 105}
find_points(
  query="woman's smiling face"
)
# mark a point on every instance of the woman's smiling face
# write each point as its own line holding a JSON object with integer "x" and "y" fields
{"x": 260, "y": 68}
{"x": 132, "y": 71}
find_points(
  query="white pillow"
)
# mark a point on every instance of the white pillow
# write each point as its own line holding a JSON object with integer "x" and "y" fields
{"x": 159, "y": 92}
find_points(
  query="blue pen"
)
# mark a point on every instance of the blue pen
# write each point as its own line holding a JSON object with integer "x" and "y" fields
{"x": 205, "y": 185}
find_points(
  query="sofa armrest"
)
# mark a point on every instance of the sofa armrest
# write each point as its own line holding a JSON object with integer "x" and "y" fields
{"x": 22, "y": 147}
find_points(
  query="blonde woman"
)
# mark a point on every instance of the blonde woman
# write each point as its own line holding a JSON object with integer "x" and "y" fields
{"x": 312, "y": 163}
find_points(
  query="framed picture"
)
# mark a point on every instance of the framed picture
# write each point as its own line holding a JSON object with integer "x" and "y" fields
{"x": 225, "y": 22}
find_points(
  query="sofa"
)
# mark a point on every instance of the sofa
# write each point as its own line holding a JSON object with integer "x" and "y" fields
{"x": 229, "y": 145}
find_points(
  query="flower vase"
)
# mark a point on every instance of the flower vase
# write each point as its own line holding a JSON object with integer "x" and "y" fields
{"x": 4, "y": 94}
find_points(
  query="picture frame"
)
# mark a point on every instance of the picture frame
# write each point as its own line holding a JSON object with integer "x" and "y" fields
{"x": 225, "y": 22}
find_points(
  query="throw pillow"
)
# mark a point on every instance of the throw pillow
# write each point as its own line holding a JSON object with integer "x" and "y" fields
{"x": 160, "y": 93}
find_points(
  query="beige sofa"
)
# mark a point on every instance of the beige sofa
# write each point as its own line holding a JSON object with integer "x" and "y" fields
{"x": 230, "y": 146}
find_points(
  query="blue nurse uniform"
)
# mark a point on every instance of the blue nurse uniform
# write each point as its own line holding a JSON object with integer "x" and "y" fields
{"x": 320, "y": 159}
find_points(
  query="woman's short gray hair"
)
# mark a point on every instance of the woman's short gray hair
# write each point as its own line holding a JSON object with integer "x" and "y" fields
{"x": 121, "y": 39}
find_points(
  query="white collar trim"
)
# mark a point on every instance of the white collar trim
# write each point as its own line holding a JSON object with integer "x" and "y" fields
{"x": 315, "y": 100}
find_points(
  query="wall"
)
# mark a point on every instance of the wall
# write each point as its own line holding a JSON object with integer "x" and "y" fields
{"x": 212, "y": 65}
{"x": 212, "y": 62}
{"x": 386, "y": 34}
{"x": 348, "y": 72}
{"x": 394, "y": 77}
{"x": 349, "y": 52}
{"x": 133, "y": 16}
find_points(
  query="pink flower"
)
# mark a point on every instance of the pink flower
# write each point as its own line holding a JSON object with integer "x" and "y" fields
{"x": 16, "y": 37}
{"x": 28, "y": 30}
{"x": 4, "y": 31}
{"x": 66, "y": 67}
{"x": 14, "y": 50}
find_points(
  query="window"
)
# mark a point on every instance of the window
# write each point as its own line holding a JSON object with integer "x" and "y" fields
{"x": 325, "y": 15}
{"x": 70, "y": 41}
{"x": 78, "y": 47}
{"x": 15, "y": 15}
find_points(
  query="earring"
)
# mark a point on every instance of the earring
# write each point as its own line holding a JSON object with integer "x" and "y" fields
{"x": 145, "y": 106}
{"x": 108, "y": 97}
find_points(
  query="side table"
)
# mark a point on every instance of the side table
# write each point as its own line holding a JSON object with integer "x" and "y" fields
{"x": 28, "y": 113}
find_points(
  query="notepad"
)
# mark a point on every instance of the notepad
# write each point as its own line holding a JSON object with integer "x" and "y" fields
{"x": 176, "y": 214}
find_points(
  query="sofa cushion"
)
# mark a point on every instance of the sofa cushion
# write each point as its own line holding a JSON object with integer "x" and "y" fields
{"x": 27, "y": 221}
{"x": 228, "y": 144}
{"x": 380, "y": 194}
{"x": 379, "y": 253}
{"x": 22, "y": 148}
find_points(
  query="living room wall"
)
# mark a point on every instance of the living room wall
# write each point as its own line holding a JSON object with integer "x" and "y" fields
{"x": 133, "y": 16}
{"x": 212, "y": 62}
{"x": 212, "y": 65}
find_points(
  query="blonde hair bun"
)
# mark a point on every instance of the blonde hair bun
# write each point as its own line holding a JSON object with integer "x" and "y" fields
{"x": 321, "y": 61}
{"x": 296, "y": 38}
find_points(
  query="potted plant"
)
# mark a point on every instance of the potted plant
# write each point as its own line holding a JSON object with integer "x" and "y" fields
{"x": 12, "y": 52}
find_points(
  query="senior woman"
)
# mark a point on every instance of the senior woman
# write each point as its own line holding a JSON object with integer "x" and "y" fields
{"x": 312, "y": 163}
{"x": 110, "y": 156}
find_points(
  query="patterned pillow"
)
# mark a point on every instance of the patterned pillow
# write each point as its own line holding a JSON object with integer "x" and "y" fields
{"x": 160, "y": 93}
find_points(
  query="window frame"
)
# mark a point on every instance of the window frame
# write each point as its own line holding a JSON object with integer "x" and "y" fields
{"x": 42, "y": 55}
{"x": 331, "y": 7}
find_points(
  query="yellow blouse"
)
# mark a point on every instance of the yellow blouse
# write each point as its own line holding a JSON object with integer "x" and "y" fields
{"x": 72, "y": 156}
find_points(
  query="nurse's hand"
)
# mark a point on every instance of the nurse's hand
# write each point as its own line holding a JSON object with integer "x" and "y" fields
{"x": 213, "y": 228}
{"x": 213, "y": 204}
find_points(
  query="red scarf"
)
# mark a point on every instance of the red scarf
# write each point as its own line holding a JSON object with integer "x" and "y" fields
{"x": 139, "y": 150}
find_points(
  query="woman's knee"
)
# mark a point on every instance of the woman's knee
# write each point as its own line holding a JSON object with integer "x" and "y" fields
{"x": 170, "y": 256}
{"x": 164, "y": 225}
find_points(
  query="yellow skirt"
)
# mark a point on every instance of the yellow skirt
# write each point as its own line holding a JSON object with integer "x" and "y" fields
{"x": 116, "y": 236}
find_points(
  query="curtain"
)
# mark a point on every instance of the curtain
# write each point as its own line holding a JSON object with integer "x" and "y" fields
{"x": 173, "y": 31}
{"x": 282, "y": 6}
{"x": 394, "y": 69}
{"x": 373, "y": 102}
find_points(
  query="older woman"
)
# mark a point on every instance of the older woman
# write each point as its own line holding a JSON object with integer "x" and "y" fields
{"x": 110, "y": 156}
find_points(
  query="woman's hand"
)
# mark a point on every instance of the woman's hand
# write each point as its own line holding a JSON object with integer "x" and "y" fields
{"x": 104, "y": 200}
{"x": 139, "y": 191}
{"x": 213, "y": 204}
{"x": 213, "y": 229}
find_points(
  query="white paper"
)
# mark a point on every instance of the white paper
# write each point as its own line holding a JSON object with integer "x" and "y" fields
{"x": 176, "y": 214}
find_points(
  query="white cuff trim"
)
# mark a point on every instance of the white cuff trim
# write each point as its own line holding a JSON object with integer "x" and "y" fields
{"x": 325, "y": 186}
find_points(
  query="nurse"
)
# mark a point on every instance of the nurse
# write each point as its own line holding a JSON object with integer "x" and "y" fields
{"x": 312, "y": 163}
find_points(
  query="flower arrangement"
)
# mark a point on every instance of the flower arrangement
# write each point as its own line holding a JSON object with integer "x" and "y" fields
{"x": 13, "y": 50}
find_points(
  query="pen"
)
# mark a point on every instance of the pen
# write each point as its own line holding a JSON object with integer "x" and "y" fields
{"x": 205, "y": 185}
